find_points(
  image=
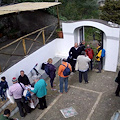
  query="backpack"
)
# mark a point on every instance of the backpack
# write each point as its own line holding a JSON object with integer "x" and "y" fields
{"x": 90, "y": 53}
{"x": 47, "y": 69}
{"x": 67, "y": 71}
{"x": 43, "y": 66}
{"x": 103, "y": 53}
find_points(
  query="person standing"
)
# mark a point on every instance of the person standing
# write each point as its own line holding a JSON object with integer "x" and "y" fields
{"x": 82, "y": 65}
{"x": 16, "y": 90}
{"x": 3, "y": 87}
{"x": 98, "y": 57}
{"x": 81, "y": 47}
{"x": 23, "y": 78}
{"x": 118, "y": 87}
{"x": 90, "y": 54}
{"x": 73, "y": 54}
{"x": 52, "y": 70}
{"x": 62, "y": 78}
{"x": 6, "y": 115}
{"x": 40, "y": 91}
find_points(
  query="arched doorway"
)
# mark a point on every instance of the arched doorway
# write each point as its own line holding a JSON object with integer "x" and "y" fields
{"x": 110, "y": 39}
{"x": 91, "y": 36}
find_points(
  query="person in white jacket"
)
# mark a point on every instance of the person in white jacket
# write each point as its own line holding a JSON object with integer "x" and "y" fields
{"x": 82, "y": 66}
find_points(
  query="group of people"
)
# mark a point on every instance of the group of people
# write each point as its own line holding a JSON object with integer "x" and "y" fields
{"x": 79, "y": 59}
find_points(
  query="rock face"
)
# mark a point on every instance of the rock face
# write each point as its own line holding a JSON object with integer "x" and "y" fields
{"x": 25, "y": 22}
{"x": 33, "y": 20}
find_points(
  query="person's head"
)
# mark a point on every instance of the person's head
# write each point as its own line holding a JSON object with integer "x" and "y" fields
{"x": 35, "y": 78}
{"x": 14, "y": 80}
{"x": 83, "y": 42}
{"x": 22, "y": 73}
{"x": 7, "y": 112}
{"x": 98, "y": 44}
{"x": 88, "y": 46}
{"x": 76, "y": 45}
{"x": 50, "y": 60}
{"x": 3, "y": 78}
{"x": 64, "y": 60}
{"x": 83, "y": 53}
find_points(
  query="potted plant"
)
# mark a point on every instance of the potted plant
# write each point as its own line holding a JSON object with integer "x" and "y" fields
{"x": 59, "y": 32}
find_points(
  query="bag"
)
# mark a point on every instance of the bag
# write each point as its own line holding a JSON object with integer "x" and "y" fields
{"x": 67, "y": 71}
{"x": 116, "y": 80}
{"x": 43, "y": 66}
{"x": 47, "y": 70}
{"x": 23, "y": 98}
{"x": 11, "y": 98}
{"x": 90, "y": 53}
{"x": 103, "y": 53}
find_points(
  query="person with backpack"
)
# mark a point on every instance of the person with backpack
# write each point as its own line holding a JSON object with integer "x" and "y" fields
{"x": 16, "y": 90}
{"x": 50, "y": 70}
{"x": 98, "y": 57}
{"x": 3, "y": 87}
{"x": 90, "y": 54}
{"x": 82, "y": 66}
{"x": 64, "y": 71}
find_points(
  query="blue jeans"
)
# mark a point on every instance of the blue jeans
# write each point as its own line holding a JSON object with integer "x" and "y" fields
{"x": 62, "y": 80}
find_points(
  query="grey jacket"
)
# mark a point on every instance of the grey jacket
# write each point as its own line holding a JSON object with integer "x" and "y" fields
{"x": 82, "y": 63}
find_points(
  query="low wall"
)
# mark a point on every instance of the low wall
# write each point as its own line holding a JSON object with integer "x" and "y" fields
{"x": 58, "y": 47}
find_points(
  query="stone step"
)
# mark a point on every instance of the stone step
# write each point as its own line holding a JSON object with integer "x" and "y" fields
{"x": 43, "y": 75}
{"x": 13, "y": 107}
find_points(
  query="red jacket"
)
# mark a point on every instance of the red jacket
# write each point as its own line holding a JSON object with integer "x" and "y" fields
{"x": 89, "y": 53}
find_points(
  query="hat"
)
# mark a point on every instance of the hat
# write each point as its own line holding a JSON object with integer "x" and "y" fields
{"x": 65, "y": 60}
{"x": 14, "y": 79}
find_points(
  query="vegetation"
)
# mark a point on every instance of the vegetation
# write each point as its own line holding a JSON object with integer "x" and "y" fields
{"x": 69, "y": 9}
{"x": 111, "y": 11}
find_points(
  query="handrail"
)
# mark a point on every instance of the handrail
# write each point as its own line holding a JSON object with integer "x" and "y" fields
{"x": 26, "y": 36}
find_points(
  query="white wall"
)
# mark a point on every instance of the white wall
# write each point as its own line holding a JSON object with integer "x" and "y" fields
{"x": 112, "y": 40}
{"x": 60, "y": 47}
{"x": 39, "y": 56}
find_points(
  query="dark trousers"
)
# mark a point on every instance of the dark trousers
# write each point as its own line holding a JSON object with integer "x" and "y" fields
{"x": 3, "y": 96}
{"x": 51, "y": 82}
{"x": 99, "y": 65}
{"x": 85, "y": 76}
{"x": 42, "y": 102}
{"x": 91, "y": 66}
{"x": 73, "y": 62}
{"x": 117, "y": 90}
{"x": 22, "y": 106}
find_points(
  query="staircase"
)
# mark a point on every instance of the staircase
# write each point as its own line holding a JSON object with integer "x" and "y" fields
{"x": 13, "y": 107}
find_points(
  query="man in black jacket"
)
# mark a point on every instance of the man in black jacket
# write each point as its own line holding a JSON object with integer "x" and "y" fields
{"x": 23, "y": 78}
{"x": 73, "y": 54}
{"x": 118, "y": 87}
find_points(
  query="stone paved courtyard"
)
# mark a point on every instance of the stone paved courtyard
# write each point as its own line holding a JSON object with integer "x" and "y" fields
{"x": 93, "y": 101}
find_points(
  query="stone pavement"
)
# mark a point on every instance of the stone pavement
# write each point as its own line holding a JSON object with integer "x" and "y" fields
{"x": 93, "y": 101}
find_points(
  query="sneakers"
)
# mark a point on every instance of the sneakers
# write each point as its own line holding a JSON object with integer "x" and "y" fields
{"x": 60, "y": 92}
{"x": 86, "y": 82}
{"x": 53, "y": 89}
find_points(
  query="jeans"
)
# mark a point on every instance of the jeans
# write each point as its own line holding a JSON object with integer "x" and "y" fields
{"x": 62, "y": 80}
{"x": 85, "y": 76}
